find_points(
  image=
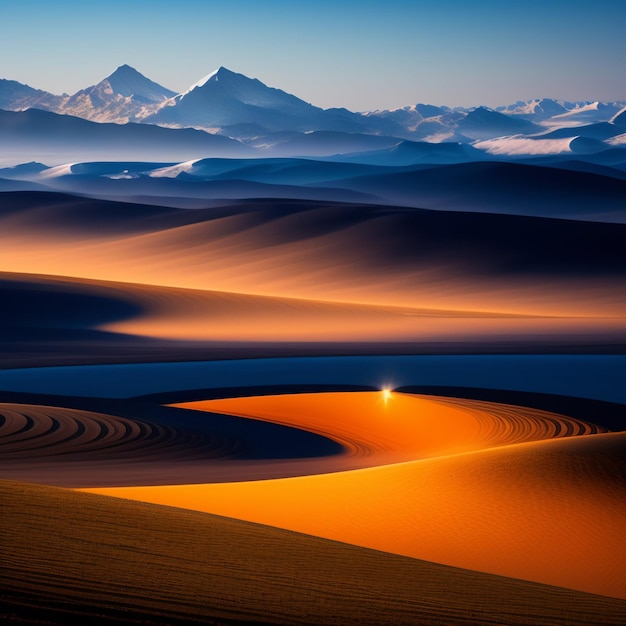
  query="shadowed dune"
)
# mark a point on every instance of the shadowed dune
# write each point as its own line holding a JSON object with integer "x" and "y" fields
{"x": 82, "y": 567}
{"x": 314, "y": 251}
{"x": 483, "y": 185}
{"x": 549, "y": 511}
{"x": 43, "y": 307}
{"x": 502, "y": 188}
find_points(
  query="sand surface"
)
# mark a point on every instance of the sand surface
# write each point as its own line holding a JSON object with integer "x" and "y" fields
{"x": 96, "y": 560}
{"x": 550, "y": 511}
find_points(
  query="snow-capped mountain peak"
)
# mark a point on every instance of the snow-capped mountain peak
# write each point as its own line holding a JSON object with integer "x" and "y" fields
{"x": 128, "y": 82}
{"x": 201, "y": 82}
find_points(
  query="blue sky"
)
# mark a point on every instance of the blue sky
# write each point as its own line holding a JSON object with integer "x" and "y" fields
{"x": 363, "y": 55}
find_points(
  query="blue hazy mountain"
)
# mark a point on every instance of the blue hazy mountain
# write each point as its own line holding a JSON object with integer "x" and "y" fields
{"x": 15, "y": 96}
{"x": 61, "y": 138}
{"x": 225, "y": 98}
{"x": 276, "y": 123}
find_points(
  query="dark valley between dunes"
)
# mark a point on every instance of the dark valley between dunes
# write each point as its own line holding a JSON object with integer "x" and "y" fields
{"x": 263, "y": 362}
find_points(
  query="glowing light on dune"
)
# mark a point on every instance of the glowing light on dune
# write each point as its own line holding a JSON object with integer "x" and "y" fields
{"x": 387, "y": 394}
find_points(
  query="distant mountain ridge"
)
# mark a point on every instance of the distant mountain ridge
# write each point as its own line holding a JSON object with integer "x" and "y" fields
{"x": 269, "y": 119}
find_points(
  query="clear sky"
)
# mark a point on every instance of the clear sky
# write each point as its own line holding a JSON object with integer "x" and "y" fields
{"x": 361, "y": 54}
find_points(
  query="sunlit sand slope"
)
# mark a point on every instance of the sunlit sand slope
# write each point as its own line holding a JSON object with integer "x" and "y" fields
{"x": 45, "y": 306}
{"x": 393, "y": 427}
{"x": 78, "y": 558}
{"x": 286, "y": 435}
{"x": 551, "y": 511}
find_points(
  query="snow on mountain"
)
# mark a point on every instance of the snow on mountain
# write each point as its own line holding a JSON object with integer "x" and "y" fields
{"x": 535, "y": 110}
{"x": 619, "y": 119}
{"x": 417, "y": 123}
{"x": 233, "y": 105}
{"x": 588, "y": 113}
{"x": 484, "y": 123}
{"x": 172, "y": 171}
{"x": 124, "y": 96}
{"x": 200, "y": 83}
{"x": 225, "y": 98}
{"x": 523, "y": 146}
{"x": 618, "y": 140}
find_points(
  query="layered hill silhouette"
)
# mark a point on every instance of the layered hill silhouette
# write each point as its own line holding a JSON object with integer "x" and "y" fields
{"x": 389, "y": 346}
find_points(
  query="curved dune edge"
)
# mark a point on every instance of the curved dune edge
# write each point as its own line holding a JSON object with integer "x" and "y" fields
{"x": 388, "y": 427}
{"x": 548, "y": 511}
{"x": 68, "y": 554}
{"x": 156, "y": 312}
{"x": 68, "y": 447}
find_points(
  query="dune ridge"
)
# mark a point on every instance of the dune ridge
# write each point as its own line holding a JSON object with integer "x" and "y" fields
{"x": 393, "y": 427}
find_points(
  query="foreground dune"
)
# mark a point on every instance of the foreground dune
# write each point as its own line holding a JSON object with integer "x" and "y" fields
{"x": 73, "y": 558}
{"x": 548, "y": 511}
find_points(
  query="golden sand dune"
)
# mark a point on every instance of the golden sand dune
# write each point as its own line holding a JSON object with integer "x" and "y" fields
{"x": 385, "y": 427}
{"x": 93, "y": 558}
{"x": 328, "y": 252}
{"x": 197, "y": 315}
{"x": 551, "y": 511}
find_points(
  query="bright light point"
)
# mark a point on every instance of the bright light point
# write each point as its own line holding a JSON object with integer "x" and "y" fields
{"x": 386, "y": 394}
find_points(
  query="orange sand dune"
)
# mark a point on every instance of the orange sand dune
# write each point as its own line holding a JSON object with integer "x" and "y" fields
{"x": 186, "y": 314}
{"x": 393, "y": 427}
{"x": 76, "y": 558}
{"x": 355, "y": 255}
{"x": 549, "y": 511}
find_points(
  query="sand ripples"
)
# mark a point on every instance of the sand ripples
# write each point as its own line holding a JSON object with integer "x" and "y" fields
{"x": 404, "y": 427}
{"x": 42, "y": 433}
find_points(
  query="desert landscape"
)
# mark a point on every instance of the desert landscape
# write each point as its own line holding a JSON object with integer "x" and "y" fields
{"x": 266, "y": 362}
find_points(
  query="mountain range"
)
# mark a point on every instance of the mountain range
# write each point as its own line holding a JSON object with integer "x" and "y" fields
{"x": 225, "y": 114}
{"x": 232, "y": 104}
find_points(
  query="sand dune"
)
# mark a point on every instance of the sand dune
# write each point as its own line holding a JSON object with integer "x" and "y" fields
{"x": 81, "y": 448}
{"x": 395, "y": 427}
{"x": 344, "y": 505}
{"x": 314, "y": 251}
{"x": 93, "y": 558}
{"x": 286, "y": 435}
{"x": 49, "y": 305}
{"x": 549, "y": 511}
